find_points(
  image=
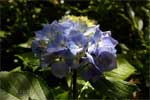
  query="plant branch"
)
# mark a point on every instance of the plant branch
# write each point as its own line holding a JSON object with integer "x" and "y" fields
{"x": 74, "y": 79}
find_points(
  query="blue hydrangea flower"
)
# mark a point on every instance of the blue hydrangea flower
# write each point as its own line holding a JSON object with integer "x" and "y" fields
{"x": 64, "y": 40}
{"x": 59, "y": 43}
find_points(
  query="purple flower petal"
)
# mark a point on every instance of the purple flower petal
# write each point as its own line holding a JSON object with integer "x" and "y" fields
{"x": 107, "y": 61}
{"x": 37, "y": 47}
{"x": 74, "y": 48}
{"x": 59, "y": 69}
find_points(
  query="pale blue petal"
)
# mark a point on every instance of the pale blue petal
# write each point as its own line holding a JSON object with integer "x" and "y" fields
{"x": 90, "y": 58}
{"x": 90, "y": 30}
{"x": 67, "y": 27}
{"x": 40, "y": 35}
{"x": 92, "y": 48}
{"x": 97, "y": 35}
{"x": 108, "y": 41}
{"x": 78, "y": 38}
{"x": 74, "y": 48}
{"x": 67, "y": 24}
{"x": 82, "y": 27}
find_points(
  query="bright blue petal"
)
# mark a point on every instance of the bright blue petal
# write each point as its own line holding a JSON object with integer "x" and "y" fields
{"x": 102, "y": 41}
{"x": 78, "y": 38}
{"x": 107, "y": 44}
{"x": 108, "y": 41}
{"x": 97, "y": 35}
{"x": 74, "y": 48}
{"x": 67, "y": 27}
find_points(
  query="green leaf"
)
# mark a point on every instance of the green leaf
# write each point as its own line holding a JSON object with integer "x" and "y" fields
{"x": 112, "y": 89}
{"x": 123, "y": 47}
{"x": 139, "y": 23}
{"x": 123, "y": 71}
{"x": 26, "y": 44}
{"x": 3, "y": 34}
{"x": 29, "y": 60}
{"x": 17, "y": 69}
{"x": 122, "y": 89}
{"x": 125, "y": 17}
{"x": 108, "y": 89}
{"x": 130, "y": 11}
{"x": 22, "y": 86}
{"x": 86, "y": 88}
{"x": 63, "y": 96}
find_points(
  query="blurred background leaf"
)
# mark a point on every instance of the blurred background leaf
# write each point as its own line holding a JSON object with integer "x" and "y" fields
{"x": 24, "y": 86}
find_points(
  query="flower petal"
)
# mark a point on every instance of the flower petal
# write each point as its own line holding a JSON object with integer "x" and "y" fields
{"x": 52, "y": 48}
{"x": 92, "y": 61}
{"x": 59, "y": 69}
{"x": 36, "y": 47}
{"x": 90, "y": 30}
{"x": 107, "y": 61}
{"x": 74, "y": 48}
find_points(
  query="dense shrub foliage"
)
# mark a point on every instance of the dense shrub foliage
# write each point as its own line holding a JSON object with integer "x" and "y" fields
{"x": 128, "y": 22}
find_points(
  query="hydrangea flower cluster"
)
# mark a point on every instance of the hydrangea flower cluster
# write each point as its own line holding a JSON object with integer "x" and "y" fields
{"x": 66, "y": 45}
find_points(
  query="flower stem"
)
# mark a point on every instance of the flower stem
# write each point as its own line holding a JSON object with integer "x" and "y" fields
{"x": 74, "y": 79}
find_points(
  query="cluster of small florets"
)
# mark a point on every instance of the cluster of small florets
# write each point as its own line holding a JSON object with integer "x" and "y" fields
{"x": 67, "y": 44}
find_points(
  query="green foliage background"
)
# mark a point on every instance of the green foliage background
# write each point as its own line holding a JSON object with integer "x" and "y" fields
{"x": 127, "y": 20}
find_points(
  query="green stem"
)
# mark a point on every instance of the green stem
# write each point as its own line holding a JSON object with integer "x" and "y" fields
{"x": 74, "y": 79}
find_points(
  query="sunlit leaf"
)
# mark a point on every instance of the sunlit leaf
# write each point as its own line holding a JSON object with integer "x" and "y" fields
{"x": 26, "y": 44}
{"x": 131, "y": 12}
{"x": 112, "y": 88}
{"x": 139, "y": 23}
{"x": 23, "y": 86}
{"x": 123, "y": 47}
{"x": 86, "y": 88}
{"x": 123, "y": 71}
{"x": 17, "y": 69}
{"x": 63, "y": 95}
{"x": 3, "y": 34}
